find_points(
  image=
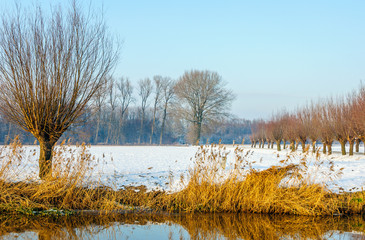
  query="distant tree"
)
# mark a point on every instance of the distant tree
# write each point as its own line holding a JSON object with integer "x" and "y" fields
{"x": 202, "y": 96}
{"x": 50, "y": 68}
{"x": 285, "y": 116}
{"x": 125, "y": 98}
{"x": 336, "y": 113}
{"x": 290, "y": 130}
{"x": 277, "y": 129}
{"x": 358, "y": 116}
{"x": 349, "y": 130}
{"x": 145, "y": 90}
{"x": 255, "y": 133}
{"x": 99, "y": 99}
{"x": 229, "y": 130}
{"x": 261, "y": 133}
{"x": 252, "y": 140}
{"x": 313, "y": 125}
{"x": 157, "y": 80}
{"x": 268, "y": 128}
{"x": 326, "y": 127}
{"x": 167, "y": 94}
{"x": 113, "y": 97}
{"x": 302, "y": 127}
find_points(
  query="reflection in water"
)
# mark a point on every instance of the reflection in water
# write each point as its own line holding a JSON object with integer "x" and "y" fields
{"x": 198, "y": 226}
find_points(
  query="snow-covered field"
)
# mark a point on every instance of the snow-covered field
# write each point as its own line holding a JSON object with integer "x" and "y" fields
{"x": 156, "y": 166}
{"x": 153, "y": 166}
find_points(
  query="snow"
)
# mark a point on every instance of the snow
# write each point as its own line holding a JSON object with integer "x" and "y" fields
{"x": 157, "y": 166}
{"x": 152, "y": 166}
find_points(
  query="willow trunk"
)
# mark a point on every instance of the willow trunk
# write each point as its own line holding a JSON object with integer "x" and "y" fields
{"x": 292, "y": 145}
{"x": 324, "y": 147}
{"x": 343, "y": 146}
{"x": 45, "y": 159}
{"x": 357, "y": 145}
{"x": 351, "y": 150}
{"x": 278, "y": 146}
{"x": 313, "y": 146}
{"x": 329, "y": 148}
{"x": 362, "y": 139}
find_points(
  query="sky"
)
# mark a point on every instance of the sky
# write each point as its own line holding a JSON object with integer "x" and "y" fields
{"x": 273, "y": 55}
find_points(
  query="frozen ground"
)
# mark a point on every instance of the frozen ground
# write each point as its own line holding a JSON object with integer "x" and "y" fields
{"x": 154, "y": 166}
{"x": 157, "y": 166}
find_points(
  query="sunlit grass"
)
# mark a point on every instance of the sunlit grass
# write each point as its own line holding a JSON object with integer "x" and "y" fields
{"x": 284, "y": 189}
{"x": 212, "y": 185}
{"x": 69, "y": 187}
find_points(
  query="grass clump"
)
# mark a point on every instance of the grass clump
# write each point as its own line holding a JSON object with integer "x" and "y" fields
{"x": 70, "y": 187}
{"x": 285, "y": 189}
{"x": 212, "y": 185}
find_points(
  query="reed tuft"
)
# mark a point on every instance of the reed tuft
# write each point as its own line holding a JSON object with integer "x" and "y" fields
{"x": 70, "y": 187}
{"x": 213, "y": 184}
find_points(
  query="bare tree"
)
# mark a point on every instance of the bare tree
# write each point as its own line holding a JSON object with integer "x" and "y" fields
{"x": 326, "y": 128}
{"x": 158, "y": 87}
{"x": 303, "y": 127}
{"x": 167, "y": 94}
{"x": 145, "y": 89}
{"x": 202, "y": 97}
{"x": 255, "y": 133}
{"x": 50, "y": 68}
{"x": 284, "y": 121}
{"x": 349, "y": 131}
{"x": 277, "y": 129}
{"x": 290, "y": 130}
{"x": 358, "y": 116}
{"x": 113, "y": 97}
{"x": 337, "y": 116}
{"x": 345, "y": 127}
{"x": 313, "y": 127}
{"x": 268, "y": 129}
{"x": 125, "y": 97}
{"x": 99, "y": 103}
{"x": 261, "y": 133}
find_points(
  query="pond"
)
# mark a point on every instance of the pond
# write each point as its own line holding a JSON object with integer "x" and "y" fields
{"x": 182, "y": 226}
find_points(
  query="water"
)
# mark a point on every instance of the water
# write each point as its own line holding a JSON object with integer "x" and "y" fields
{"x": 198, "y": 226}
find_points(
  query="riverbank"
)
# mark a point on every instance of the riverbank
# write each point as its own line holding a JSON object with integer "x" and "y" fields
{"x": 297, "y": 184}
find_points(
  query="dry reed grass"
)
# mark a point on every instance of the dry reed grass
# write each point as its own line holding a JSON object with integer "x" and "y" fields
{"x": 284, "y": 189}
{"x": 69, "y": 187}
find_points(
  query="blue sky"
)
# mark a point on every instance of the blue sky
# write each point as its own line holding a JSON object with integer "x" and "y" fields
{"x": 272, "y": 54}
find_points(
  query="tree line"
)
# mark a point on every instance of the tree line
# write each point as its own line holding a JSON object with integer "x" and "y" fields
{"x": 55, "y": 78}
{"x": 145, "y": 112}
{"x": 339, "y": 119}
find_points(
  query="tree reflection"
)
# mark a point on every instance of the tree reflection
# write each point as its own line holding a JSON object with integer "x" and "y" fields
{"x": 198, "y": 226}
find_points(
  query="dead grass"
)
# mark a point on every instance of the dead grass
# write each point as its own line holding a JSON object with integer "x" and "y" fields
{"x": 69, "y": 187}
{"x": 284, "y": 189}
{"x": 280, "y": 189}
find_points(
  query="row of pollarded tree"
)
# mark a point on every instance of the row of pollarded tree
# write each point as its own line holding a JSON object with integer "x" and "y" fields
{"x": 341, "y": 119}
